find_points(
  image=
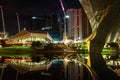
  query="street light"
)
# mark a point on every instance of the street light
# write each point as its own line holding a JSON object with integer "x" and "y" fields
{"x": 34, "y": 17}
{"x": 65, "y": 36}
{"x": 3, "y": 22}
{"x": 62, "y": 6}
{"x": 67, "y": 16}
{"x": 18, "y": 22}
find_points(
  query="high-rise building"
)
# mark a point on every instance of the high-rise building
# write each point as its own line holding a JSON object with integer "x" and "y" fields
{"x": 78, "y": 26}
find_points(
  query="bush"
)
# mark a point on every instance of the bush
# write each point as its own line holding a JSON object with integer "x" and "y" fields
{"x": 36, "y": 59}
{"x": 36, "y": 44}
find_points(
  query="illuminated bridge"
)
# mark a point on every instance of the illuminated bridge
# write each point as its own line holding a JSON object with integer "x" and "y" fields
{"x": 104, "y": 18}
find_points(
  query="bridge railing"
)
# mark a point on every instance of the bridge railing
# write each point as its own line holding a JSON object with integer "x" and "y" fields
{"x": 75, "y": 70}
{"x": 67, "y": 69}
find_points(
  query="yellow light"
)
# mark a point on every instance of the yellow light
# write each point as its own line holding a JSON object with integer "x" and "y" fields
{"x": 65, "y": 38}
{"x": 88, "y": 60}
{"x": 66, "y": 60}
{"x": 88, "y": 45}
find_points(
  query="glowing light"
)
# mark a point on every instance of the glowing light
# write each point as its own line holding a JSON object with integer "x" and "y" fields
{"x": 34, "y": 17}
{"x": 66, "y": 60}
{"x": 67, "y": 16}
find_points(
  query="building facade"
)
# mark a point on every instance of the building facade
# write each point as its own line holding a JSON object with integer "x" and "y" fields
{"x": 78, "y": 26}
{"x": 28, "y": 36}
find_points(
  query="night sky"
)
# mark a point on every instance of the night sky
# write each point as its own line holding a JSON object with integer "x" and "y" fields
{"x": 30, "y": 8}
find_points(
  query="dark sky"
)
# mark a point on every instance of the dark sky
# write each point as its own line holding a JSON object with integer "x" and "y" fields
{"x": 30, "y": 8}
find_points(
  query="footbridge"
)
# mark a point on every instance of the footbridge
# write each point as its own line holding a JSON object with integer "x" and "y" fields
{"x": 103, "y": 14}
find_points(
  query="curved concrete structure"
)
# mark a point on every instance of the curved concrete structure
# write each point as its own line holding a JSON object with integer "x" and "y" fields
{"x": 104, "y": 14}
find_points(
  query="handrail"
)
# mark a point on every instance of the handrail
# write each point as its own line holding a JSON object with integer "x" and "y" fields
{"x": 92, "y": 72}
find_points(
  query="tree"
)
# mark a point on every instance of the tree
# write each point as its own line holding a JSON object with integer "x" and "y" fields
{"x": 2, "y": 60}
{"x": 33, "y": 44}
{"x": 115, "y": 54}
{"x": 35, "y": 58}
{"x": 3, "y": 43}
{"x": 36, "y": 44}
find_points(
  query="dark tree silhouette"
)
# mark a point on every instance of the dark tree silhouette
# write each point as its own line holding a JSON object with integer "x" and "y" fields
{"x": 3, "y": 43}
{"x": 115, "y": 46}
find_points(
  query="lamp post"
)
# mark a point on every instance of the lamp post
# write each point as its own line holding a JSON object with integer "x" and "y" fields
{"x": 18, "y": 21}
{"x": 3, "y": 22}
{"x": 64, "y": 13}
{"x": 65, "y": 34}
{"x": 66, "y": 17}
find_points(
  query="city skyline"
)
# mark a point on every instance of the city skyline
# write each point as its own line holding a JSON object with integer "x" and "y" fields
{"x": 30, "y": 8}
